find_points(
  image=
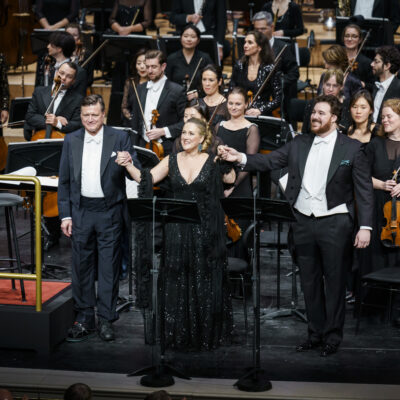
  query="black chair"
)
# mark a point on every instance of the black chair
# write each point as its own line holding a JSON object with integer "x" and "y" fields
{"x": 297, "y": 107}
{"x": 385, "y": 279}
{"x": 304, "y": 61}
{"x": 8, "y": 201}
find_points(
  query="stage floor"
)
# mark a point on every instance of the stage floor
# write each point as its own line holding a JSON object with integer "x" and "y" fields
{"x": 371, "y": 357}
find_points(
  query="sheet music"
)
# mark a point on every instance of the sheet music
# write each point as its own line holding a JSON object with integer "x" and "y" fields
{"x": 30, "y": 171}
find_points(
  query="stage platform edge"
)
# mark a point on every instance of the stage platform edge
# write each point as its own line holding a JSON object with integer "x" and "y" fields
{"x": 22, "y": 327}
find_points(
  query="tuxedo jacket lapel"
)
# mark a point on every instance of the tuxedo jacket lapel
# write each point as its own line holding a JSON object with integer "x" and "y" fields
{"x": 304, "y": 149}
{"x": 339, "y": 152}
{"x": 77, "y": 151}
{"x": 108, "y": 146}
{"x": 164, "y": 95}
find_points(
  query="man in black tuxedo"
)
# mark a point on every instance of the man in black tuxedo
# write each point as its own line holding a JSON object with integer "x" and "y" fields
{"x": 384, "y": 67}
{"x": 163, "y": 95}
{"x": 91, "y": 203}
{"x": 263, "y": 22}
{"x": 324, "y": 172}
{"x": 208, "y": 15}
{"x": 60, "y": 49}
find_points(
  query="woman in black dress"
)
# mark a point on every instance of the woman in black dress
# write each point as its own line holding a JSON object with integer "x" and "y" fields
{"x": 198, "y": 309}
{"x": 55, "y": 14}
{"x": 123, "y": 14}
{"x": 182, "y": 64}
{"x": 251, "y": 71}
{"x": 287, "y": 17}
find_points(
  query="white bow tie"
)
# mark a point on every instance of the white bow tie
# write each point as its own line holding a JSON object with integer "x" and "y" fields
{"x": 92, "y": 139}
{"x": 379, "y": 85}
{"x": 318, "y": 140}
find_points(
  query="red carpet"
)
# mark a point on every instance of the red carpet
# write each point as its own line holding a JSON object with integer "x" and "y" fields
{"x": 49, "y": 290}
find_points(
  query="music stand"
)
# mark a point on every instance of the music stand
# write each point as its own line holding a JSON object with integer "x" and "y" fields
{"x": 44, "y": 155}
{"x": 259, "y": 210}
{"x": 18, "y": 109}
{"x": 170, "y": 44}
{"x": 153, "y": 210}
{"x": 146, "y": 157}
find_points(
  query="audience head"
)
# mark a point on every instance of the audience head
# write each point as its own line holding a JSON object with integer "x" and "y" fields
{"x": 211, "y": 79}
{"x": 156, "y": 63}
{"x": 362, "y": 108}
{"x": 196, "y": 134}
{"x": 138, "y": 65}
{"x": 93, "y": 113}
{"x": 61, "y": 41}
{"x": 159, "y": 395}
{"x": 194, "y": 109}
{"x": 325, "y": 114}
{"x": 264, "y": 23}
{"x": 335, "y": 57}
{"x": 237, "y": 101}
{"x": 332, "y": 82}
{"x": 386, "y": 62}
{"x": 75, "y": 30}
{"x": 390, "y": 117}
{"x": 190, "y": 37}
{"x": 78, "y": 391}
{"x": 256, "y": 43}
{"x": 5, "y": 395}
{"x": 352, "y": 36}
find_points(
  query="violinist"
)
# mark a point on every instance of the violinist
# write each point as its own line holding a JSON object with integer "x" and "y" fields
{"x": 65, "y": 118}
{"x": 352, "y": 38}
{"x": 159, "y": 94}
{"x": 252, "y": 70}
{"x": 184, "y": 66}
{"x": 56, "y": 14}
{"x": 60, "y": 50}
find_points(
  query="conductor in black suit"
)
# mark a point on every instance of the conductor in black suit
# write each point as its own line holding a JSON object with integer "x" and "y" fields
{"x": 324, "y": 172}
{"x": 208, "y": 15}
{"x": 163, "y": 95}
{"x": 91, "y": 203}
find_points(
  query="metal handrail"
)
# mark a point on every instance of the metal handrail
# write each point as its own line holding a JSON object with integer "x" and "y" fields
{"x": 38, "y": 246}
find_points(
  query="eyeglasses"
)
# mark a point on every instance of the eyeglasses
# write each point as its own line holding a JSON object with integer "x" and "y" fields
{"x": 351, "y": 36}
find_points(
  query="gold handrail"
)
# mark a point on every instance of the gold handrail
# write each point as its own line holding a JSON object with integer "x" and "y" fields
{"x": 38, "y": 246}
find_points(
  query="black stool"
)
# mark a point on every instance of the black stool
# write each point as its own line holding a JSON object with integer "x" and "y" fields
{"x": 386, "y": 279}
{"x": 8, "y": 201}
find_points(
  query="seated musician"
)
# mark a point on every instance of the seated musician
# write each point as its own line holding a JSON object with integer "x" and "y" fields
{"x": 158, "y": 96}
{"x": 56, "y": 14}
{"x": 184, "y": 63}
{"x": 253, "y": 69}
{"x": 60, "y": 49}
{"x": 64, "y": 118}
{"x": 4, "y": 92}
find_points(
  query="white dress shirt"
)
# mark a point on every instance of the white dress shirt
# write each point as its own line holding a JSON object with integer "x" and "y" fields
{"x": 154, "y": 90}
{"x": 312, "y": 195}
{"x": 91, "y": 159}
{"x": 380, "y": 94}
{"x": 364, "y": 8}
{"x": 197, "y": 9}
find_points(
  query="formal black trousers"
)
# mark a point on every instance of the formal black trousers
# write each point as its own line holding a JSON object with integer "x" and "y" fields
{"x": 96, "y": 243}
{"x": 321, "y": 248}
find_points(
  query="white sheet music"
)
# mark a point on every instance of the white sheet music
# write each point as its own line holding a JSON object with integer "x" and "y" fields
{"x": 30, "y": 171}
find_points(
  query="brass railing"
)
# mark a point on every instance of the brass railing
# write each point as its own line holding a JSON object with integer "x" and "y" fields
{"x": 38, "y": 246}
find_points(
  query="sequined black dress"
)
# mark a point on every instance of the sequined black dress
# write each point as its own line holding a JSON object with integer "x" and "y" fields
{"x": 198, "y": 309}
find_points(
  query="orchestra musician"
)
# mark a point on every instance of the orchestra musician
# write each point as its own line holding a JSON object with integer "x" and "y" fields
{"x": 91, "y": 202}
{"x": 326, "y": 172}
{"x": 4, "y": 92}
{"x": 385, "y": 65}
{"x": 251, "y": 71}
{"x": 60, "y": 50}
{"x": 65, "y": 118}
{"x": 160, "y": 94}
{"x": 56, "y": 14}
{"x": 182, "y": 64}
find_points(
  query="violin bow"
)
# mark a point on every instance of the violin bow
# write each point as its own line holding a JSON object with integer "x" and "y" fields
{"x": 136, "y": 15}
{"x": 350, "y": 66}
{"x": 140, "y": 105}
{"x": 54, "y": 98}
{"x": 215, "y": 112}
{"x": 83, "y": 65}
{"x": 194, "y": 73}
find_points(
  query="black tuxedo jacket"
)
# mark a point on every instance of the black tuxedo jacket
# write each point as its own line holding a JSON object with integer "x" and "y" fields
{"x": 349, "y": 173}
{"x": 214, "y": 16}
{"x": 382, "y": 9}
{"x": 112, "y": 175}
{"x": 171, "y": 107}
{"x": 69, "y": 107}
{"x": 393, "y": 92}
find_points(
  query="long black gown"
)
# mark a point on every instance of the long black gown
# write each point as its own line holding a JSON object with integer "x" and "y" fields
{"x": 198, "y": 309}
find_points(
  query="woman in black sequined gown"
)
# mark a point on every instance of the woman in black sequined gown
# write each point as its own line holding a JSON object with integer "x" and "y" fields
{"x": 198, "y": 311}
{"x": 251, "y": 71}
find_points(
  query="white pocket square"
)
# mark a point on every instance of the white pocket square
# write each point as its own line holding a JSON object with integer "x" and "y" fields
{"x": 113, "y": 154}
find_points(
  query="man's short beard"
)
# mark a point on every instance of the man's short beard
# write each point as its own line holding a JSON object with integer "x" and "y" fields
{"x": 322, "y": 129}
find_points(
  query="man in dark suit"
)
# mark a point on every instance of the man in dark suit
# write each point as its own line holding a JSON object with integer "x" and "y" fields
{"x": 60, "y": 49}
{"x": 384, "y": 67}
{"x": 208, "y": 15}
{"x": 263, "y": 22}
{"x": 324, "y": 171}
{"x": 91, "y": 202}
{"x": 164, "y": 96}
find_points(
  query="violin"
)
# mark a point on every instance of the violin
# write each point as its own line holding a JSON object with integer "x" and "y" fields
{"x": 154, "y": 145}
{"x": 390, "y": 234}
{"x": 233, "y": 229}
{"x": 353, "y": 64}
{"x": 49, "y": 62}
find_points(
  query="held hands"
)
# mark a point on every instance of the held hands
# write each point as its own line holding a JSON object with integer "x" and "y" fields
{"x": 66, "y": 227}
{"x": 4, "y": 116}
{"x": 362, "y": 238}
{"x": 253, "y": 112}
{"x": 123, "y": 158}
{"x": 229, "y": 154}
{"x": 156, "y": 133}
{"x": 52, "y": 119}
{"x": 194, "y": 18}
{"x": 125, "y": 30}
{"x": 388, "y": 185}
{"x": 395, "y": 191}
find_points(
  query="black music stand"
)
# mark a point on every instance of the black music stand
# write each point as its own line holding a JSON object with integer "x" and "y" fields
{"x": 44, "y": 156}
{"x": 153, "y": 210}
{"x": 147, "y": 158}
{"x": 18, "y": 108}
{"x": 170, "y": 44}
{"x": 259, "y": 210}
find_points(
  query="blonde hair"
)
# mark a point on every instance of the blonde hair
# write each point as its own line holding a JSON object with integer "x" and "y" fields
{"x": 394, "y": 104}
{"x": 337, "y": 73}
{"x": 204, "y": 131}
{"x": 336, "y": 55}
